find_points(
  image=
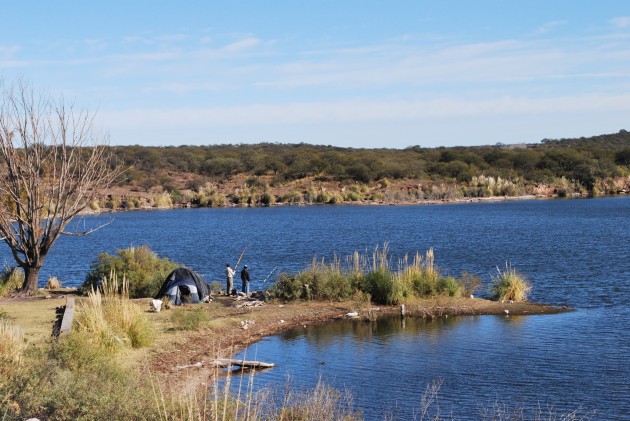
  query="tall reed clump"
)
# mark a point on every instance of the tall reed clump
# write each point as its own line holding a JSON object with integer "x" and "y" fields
{"x": 509, "y": 285}
{"x": 53, "y": 283}
{"x": 111, "y": 320}
{"x": 12, "y": 346}
{"x": 373, "y": 275}
{"x": 321, "y": 403}
{"x": 162, "y": 200}
{"x": 11, "y": 279}
{"x": 419, "y": 275}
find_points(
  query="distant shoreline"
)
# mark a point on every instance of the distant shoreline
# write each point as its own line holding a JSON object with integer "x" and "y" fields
{"x": 493, "y": 199}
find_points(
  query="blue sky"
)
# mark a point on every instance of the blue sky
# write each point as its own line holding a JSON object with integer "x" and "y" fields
{"x": 348, "y": 73}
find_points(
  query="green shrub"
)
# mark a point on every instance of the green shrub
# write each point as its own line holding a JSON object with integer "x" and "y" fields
{"x": 425, "y": 283}
{"x": 323, "y": 197}
{"x": 509, "y": 285}
{"x": 373, "y": 277}
{"x": 11, "y": 280}
{"x": 379, "y": 284}
{"x": 286, "y": 288}
{"x": 402, "y": 289}
{"x": 267, "y": 199}
{"x": 188, "y": 318}
{"x": 234, "y": 198}
{"x": 132, "y": 202}
{"x": 142, "y": 268}
{"x": 377, "y": 197}
{"x": 216, "y": 200}
{"x": 469, "y": 284}
{"x": 292, "y": 197}
{"x": 323, "y": 283}
{"x": 79, "y": 350}
{"x": 352, "y": 196}
{"x": 449, "y": 286}
{"x": 215, "y": 287}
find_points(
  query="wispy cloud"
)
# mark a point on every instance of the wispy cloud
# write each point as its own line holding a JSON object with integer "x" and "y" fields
{"x": 185, "y": 88}
{"x": 621, "y": 21}
{"x": 220, "y": 81}
{"x": 492, "y": 63}
{"x": 367, "y": 123}
{"x": 550, "y": 26}
{"x": 362, "y": 111}
{"x": 240, "y": 45}
{"x": 9, "y": 50}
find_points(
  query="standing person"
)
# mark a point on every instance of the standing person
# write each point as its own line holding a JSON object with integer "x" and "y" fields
{"x": 245, "y": 279}
{"x": 229, "y": 273}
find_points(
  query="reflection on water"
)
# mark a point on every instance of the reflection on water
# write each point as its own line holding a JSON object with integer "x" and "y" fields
{"x": 523, "y": 361}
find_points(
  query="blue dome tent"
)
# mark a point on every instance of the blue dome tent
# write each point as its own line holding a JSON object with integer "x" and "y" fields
{"x": 183, "y": 286}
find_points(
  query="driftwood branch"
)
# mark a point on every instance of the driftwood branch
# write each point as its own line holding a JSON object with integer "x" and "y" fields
{"x": 196, "y": 365}
{"x": 227, "y": 363}
{"x": 231, "y": 362}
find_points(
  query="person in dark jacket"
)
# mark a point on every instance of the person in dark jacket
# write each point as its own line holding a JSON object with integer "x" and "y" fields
{"x": 245, "y": 278}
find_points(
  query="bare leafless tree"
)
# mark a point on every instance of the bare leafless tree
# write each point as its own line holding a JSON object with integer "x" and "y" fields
{"x": 53, "y": 163}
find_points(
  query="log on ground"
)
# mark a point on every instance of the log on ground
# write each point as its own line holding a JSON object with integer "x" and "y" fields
{"x": 230, "y": 362}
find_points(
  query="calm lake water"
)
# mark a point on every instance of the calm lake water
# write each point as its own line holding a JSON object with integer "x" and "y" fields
{"x": 573, "y": 252}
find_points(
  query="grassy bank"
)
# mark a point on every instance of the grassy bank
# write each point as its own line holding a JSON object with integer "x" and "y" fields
{"x": 123, "y": 362}
{"x": 135, "y": 379}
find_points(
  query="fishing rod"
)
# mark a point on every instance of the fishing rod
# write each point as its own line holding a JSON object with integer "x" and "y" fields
{"x": 274, "y": 268}
{"x": 240, "y": 257}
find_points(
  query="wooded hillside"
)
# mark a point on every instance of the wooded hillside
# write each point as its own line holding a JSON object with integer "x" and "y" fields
{"x": 238, "y": 174}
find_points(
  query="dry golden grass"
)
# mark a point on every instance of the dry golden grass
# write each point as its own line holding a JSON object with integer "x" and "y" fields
{"x": 35, "y": 315}
{"x": 113, "y": 321}
{"x": 12, "y": 342}
{"x": 509, "y": 285}
{"x": 53, "y": 283}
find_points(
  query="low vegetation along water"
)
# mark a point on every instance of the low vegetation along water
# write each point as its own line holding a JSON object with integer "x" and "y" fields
{"x": 572, "y": 251}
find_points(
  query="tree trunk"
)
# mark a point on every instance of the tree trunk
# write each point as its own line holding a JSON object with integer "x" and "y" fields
{"x": 31, "y": 278}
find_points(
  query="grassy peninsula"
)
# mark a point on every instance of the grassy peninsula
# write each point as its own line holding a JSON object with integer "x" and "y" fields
{"x": 123, "y": 362}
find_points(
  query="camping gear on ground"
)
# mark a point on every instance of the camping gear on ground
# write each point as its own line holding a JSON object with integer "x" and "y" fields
{"x": 184, "y": 286}
{"x": 156, "y": 306}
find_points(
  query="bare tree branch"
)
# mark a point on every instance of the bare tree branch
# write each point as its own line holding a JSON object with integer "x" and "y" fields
{"x": 53, "y": 163}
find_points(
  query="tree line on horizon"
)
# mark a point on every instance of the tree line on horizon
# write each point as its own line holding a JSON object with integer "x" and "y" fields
{"x": 582, "y": 161}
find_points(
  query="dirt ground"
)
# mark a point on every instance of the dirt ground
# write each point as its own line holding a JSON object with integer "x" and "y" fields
{"x": 227, "y": 328}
